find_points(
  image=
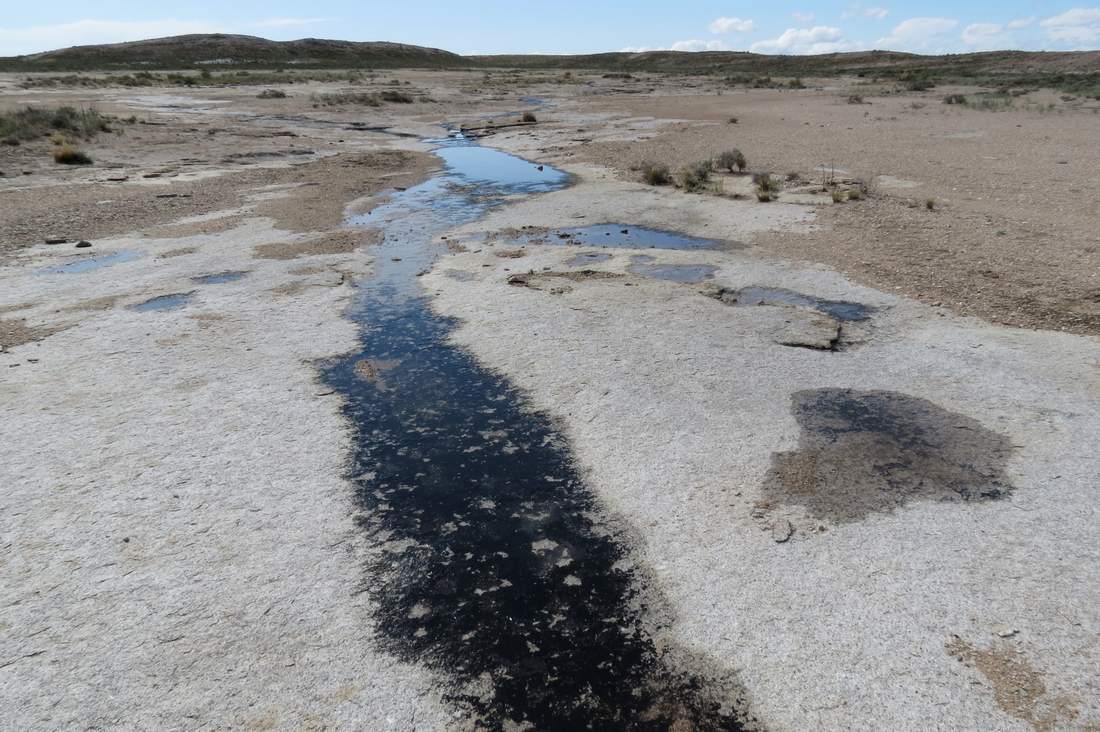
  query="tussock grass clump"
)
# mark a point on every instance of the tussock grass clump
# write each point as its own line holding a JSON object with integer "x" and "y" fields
{"x": 396, "y": 97}
{"x": 855, "y": 99}
{"x": 731, "y": 159}
{"x": 70, "y": 155}
{"x": 271, "y": 94}
{"x": 767, "y": 187}
{"x": 930, "y": 204}
{"x": 955, "y": 99}
{"x": 694, "y": 177}
{"x": 529, "y": 117}
{"x": 656, "y": 174}
{"x": 838, "y": 196}
{"x": 854, "y": 194}
{"x": 34, "y": 122}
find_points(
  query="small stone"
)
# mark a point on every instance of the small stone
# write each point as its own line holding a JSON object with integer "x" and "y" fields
{"x": 1005, "y": 631}
{"x": 56, "y": 240}
{"x": 83, "y": 244}
{"x": 782, "y": 531}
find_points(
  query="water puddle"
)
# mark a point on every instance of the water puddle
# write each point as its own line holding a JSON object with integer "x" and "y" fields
{"x": 643, "y": 264}
{"x": 490, "y": 564}
{"x": 218, "y": 278}
{"x": 839, "y": 309}
{"x": 174, "y": 301}
{"x": 620, "y": 236}
{"x": 864, "y": 452}
{"x": 497, "y": 172}
{"x": 87, "y": 264}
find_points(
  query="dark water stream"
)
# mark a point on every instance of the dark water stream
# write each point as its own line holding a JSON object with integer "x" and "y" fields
{"x": 492, "y": 565}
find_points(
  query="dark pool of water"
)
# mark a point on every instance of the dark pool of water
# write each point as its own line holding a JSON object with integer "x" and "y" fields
{"x": 490, "y": 565}
{"x": 163, "y": 302}
{"x": 620, "y": 236}
{"x": 839, "y": 309}
{"x": 87, "y": 264}
{"x": 647, "y": 266}
{"x": 218, "y": 278}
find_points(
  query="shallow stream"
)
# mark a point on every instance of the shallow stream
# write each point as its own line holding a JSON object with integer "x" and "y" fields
{"x": 493, "y": 564}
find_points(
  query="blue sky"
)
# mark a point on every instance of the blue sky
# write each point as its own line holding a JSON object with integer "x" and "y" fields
{"x": 575, "y": 26}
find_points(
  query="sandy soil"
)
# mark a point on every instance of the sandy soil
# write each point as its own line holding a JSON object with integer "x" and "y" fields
{"x": 1012, "y": 238}
{"x": 181, "y": 542}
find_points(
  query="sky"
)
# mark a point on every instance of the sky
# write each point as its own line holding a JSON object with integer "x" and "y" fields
{"x": 576, "y": 26}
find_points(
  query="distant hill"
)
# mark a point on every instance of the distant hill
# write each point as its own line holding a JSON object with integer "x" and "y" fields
{"x": 219, "y": 50}
{"x": 886, "y": 63}
{"x": 1077, "y": 71}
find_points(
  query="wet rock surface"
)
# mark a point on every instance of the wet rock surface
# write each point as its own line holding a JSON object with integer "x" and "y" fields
{"x": 865, "y": 452}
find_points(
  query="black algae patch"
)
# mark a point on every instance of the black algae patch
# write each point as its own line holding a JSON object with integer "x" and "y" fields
{"x": 489, "y": 562}
{"x": 863, "y": 452}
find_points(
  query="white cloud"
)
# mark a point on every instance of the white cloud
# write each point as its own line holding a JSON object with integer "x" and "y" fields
{"x": 731, "y": 25}
{"x": 918, "y": 34}
{"x": 819, "y": 39}
{"x": 20, "y": 41}
{"x": 1020, "y": 23}
{"x": 802, "y": 17}
{"x": 858, "y": 11}
{"x": 694, "y": 45}
{"x": 290, "y": 22}
{"x": 984, "y": 35}
{"x": 1076, "y": 26}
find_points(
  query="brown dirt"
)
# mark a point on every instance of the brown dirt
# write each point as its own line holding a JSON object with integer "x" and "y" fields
{"x": 1012, "y": 239}
{"x": 30, "y": 215}
{"x": 1017, "y": 687}
{"x": 16, "y": 332}
{"x": 336, "y": 242}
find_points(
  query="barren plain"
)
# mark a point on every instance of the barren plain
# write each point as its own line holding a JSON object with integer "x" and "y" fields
{"x": 825, "y": 461}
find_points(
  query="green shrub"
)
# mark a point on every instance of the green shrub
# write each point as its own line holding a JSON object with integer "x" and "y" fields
{"x": 34, "y": 122}
{"x": 271, "y": 94}
{"x": 694, "y": 177}
{"x": 656, "y": 174}
{"x": 766, "y": 187}
{"x": 731, "y": 159}
{"x": 838, "y": 196}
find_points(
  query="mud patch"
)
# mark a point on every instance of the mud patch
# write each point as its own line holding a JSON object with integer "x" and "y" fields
{"x": 752, "y": 296}
{"x": 180, "y": 252}
{"x": 586, "y": 258}
{"x": 1018, "y": 688}
{"x": 218, "y": 278}
{"x": 647, "y": 266}
{"x": 542, "y": 280}
{"x": 337, "y": 242}
{"x": 864, "y": 452}
{"x": 620, "y": 236}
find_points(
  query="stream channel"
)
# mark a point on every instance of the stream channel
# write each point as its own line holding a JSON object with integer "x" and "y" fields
{"x": 492, "y": 563}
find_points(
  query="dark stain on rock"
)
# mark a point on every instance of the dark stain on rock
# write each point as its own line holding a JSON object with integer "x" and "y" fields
{"x": 864, "y": 452}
